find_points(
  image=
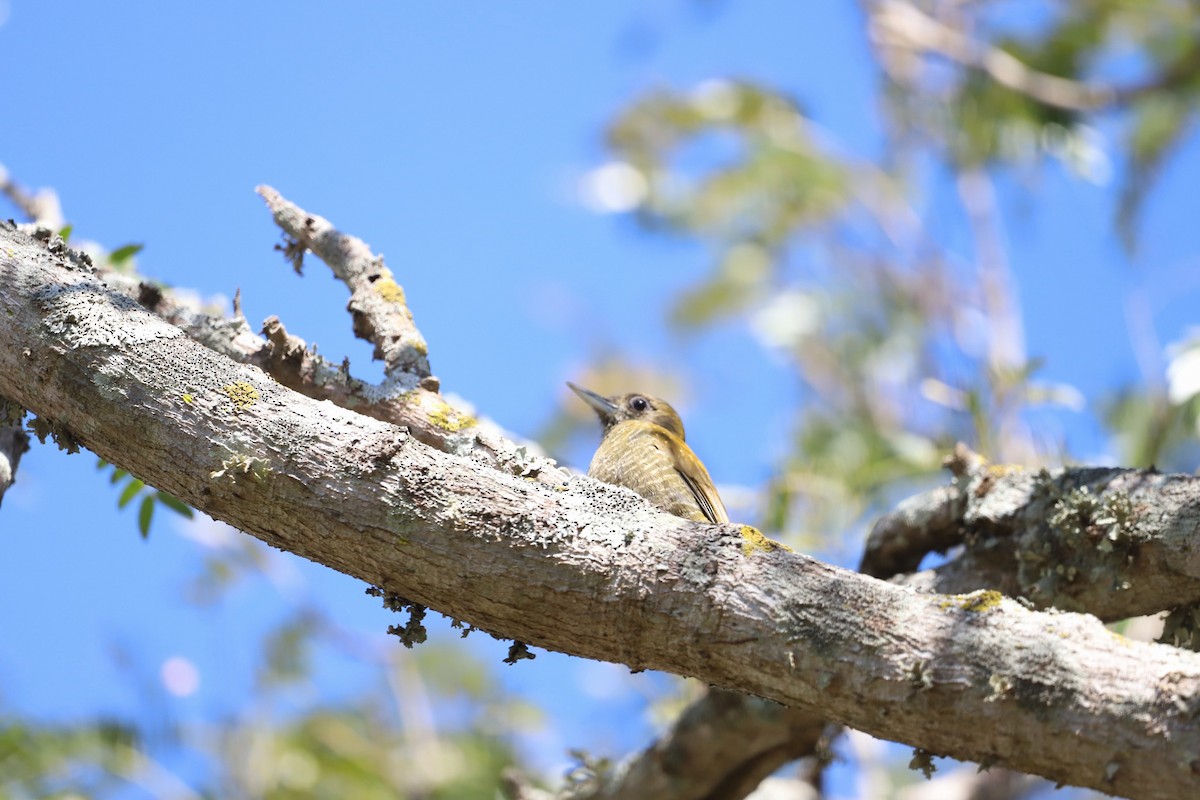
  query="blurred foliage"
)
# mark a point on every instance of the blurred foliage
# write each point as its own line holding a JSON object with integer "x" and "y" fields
{"x": 900, "y": 345}
{"x": 433, "y": 723}
{"x": 133, "y": 488}
{"x": 51, "y": 761}
{"x": 1155, "y": 428}
{"x": 985, "y": 88}
{"x": 360, "y": 750}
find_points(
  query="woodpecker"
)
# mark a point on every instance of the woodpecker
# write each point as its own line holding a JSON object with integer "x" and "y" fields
{"x": 643, "y": 449}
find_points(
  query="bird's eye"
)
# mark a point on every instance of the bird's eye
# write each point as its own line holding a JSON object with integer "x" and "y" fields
{"x": 639, "y": 404}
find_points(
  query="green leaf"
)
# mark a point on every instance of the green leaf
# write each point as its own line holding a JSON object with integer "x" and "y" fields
{"x": 122, "y": 254}
{"x": 131, "y": 491}
{"x": 117, "y": 475}
{"x": 65, "y": 233}
{"x": 145, "y": 514}
{"x": 174, "y": 503}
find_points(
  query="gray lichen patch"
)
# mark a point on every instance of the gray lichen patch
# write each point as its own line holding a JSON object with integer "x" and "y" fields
{"x": 1087, "y": 535}
{"x": 391, "y": 388}
{"x": 1106, "y": 520}
{"x": 85, "y": 315}
{"x": 611, "y": 530}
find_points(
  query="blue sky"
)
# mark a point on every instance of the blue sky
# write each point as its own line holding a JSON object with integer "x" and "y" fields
{"x": 453, "y": 143}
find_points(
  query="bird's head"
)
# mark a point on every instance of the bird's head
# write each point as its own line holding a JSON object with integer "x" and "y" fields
{"x": 622, "y": 407}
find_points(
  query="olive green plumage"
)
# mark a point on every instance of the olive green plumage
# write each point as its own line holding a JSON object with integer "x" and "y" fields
{"x": 644, "y": 450}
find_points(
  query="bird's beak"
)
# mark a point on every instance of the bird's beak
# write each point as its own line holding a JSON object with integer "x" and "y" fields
{"x": 604, "y": 407}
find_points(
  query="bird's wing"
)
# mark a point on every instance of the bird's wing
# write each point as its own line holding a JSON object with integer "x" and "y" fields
{"x": 692, "y": 470}
{"x": 707, "y": 497}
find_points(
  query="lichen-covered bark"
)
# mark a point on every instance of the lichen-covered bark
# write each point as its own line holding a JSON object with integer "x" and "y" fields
{"x": 1112, "y": 542}
{"x": 377, "y": 304}
{"x": 586, "y": 568}
{"x": 405, "y": 399}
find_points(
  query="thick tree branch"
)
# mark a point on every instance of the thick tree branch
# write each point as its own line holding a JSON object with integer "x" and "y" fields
{"x": 697, "y": 758}
{"x": 926, "y": 523}
{"x": 14, "y": 441}
{"x": 923, "y": 524}
{"x": 587, "y": 568}
{"x": 1116, "y": 543}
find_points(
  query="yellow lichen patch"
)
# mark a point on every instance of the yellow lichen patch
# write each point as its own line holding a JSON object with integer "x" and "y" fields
{"x": 242, "y": 394}
{"x": 1000, "y": 470}
{"x": 977, "y": 602}
{"x": 390, "y": 290}
{"x": 450, "y": 420}
{"x": 1119, "y": 639}
{"x": 753, "y": 541}
{"x": 188, "y": 398}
